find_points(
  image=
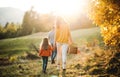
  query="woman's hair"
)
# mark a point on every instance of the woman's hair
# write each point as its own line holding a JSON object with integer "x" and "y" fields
{"x": 45, "y": 43}
{"x": 59, "y": 21}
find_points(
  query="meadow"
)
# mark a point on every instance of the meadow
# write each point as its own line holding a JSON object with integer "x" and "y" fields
{"x": 18, "y": 57}
{"x": 14, "y": 46}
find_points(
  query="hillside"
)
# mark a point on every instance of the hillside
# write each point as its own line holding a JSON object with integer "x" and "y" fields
{"x": 22, "y": 44}
{"x": 19, "y": 54}
{"x": 9, "y": 14}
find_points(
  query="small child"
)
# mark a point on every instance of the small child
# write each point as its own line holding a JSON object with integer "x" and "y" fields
{"x": 45, "y": 51}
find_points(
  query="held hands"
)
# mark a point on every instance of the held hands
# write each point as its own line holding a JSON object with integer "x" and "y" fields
{"x": 70, "y": 42}
{"x": 54, "y": 46}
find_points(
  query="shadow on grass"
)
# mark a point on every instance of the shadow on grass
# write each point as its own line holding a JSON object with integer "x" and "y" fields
{"x": 8, "y": 53}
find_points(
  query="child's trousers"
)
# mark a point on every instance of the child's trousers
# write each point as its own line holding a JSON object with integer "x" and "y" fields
{"x": 45, "y": 61}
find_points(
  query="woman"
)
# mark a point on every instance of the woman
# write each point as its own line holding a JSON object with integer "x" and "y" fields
{"x": 63, "y": 39}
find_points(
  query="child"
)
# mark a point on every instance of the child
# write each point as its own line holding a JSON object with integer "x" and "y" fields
{"x": 45, "y": 51}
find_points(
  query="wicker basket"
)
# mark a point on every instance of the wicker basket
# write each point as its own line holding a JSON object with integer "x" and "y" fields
{"x": 73, "y": 49}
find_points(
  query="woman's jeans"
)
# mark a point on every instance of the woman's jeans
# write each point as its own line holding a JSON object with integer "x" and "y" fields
{"x": 45, "y": 61}
{"x": 62, "y": 49}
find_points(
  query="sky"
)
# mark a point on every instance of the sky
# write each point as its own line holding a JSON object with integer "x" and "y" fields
{"x": 45, "y": 6}
{"x": 20, "y": 4}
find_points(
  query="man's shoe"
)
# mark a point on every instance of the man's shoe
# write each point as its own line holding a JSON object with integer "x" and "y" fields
{"x": 44, "y": 71}
{"x": 64, "y": 69}
{"x": 53, "y": 62}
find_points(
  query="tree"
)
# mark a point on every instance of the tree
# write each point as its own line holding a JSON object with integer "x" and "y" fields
{"x": 106, "y": 14}
{"x": 1, "y": 32}
{"x": 34, "y": 22}
{"x": 1, "y": 27}
{"x": 26, "y": 27}
{"x": 9, "y": 30}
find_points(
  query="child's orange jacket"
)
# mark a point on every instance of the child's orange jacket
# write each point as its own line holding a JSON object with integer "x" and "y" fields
{"x": 48, "y": 52}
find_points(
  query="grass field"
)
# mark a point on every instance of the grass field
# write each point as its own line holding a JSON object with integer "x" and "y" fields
{"x": 21, "y": 54}
{"x": 21, "y": 44}
{"x": 86, "y": 35}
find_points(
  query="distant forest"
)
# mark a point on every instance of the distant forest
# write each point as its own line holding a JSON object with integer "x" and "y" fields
{"x": 34, "y": 22}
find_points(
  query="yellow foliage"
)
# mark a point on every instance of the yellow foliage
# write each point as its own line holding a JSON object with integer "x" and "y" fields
{"x": 13, "y": 58}
{"x": 106, "y": 14}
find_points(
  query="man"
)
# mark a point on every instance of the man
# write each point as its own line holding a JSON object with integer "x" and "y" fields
{"x": 51, "y": 37}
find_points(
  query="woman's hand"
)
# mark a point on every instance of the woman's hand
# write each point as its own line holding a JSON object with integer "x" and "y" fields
{"x": 70, "y": 41}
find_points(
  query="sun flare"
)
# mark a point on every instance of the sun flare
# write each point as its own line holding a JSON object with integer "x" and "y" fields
{"x": 72, "y": 10}
{"x": 61, "y": 7}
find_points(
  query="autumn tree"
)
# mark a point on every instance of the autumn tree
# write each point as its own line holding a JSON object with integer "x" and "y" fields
{"x": 10, "y": 30}
{"x": 1, "y": 27}
{"x": 106, "y": 14}
{"x": 1, "y": 32}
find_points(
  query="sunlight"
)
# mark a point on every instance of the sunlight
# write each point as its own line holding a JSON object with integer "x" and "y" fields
{"x": 60, "y": 7}
{"x": 70, "y": 7}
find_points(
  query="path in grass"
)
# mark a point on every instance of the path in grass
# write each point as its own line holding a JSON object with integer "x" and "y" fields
{"x": 74, "y": 67}
{"x": 33, "y": 68}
